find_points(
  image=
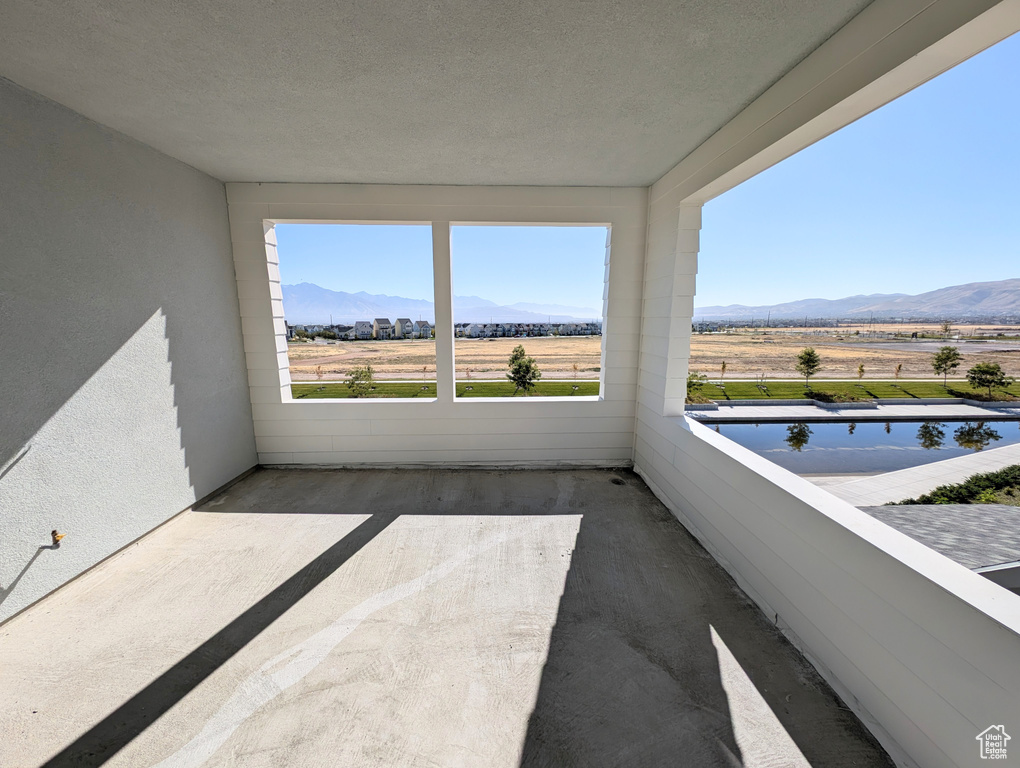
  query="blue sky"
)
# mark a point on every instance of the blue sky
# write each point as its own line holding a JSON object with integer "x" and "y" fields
{"x": 920, "y": 194}
{"x": 542, "y": 265}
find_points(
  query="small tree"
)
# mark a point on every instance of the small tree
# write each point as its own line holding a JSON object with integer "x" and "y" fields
{"x": 318, "y": 376}
{"x": 975, "y": 437}
{"x": 523, "y": 370}
{"x": 931, "y": 435}
{"x": 359, "y": 381}
{"x": 945, "y": 361}
{"x": 722, "y": 370}
{"x": 575, "y": 369}
{"x": 695, "y": 383}
{"x": 899, "y": 370}
{"x": 797, "y": 436}
{"x": 946, "y": 328}
{"x": 860, "y": 371}
{"x": 988, "y": 375}
{"x": 808, "y": 364}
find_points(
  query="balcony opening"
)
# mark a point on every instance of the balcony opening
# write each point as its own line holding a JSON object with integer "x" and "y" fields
{"x": 857, "y": 318}
{"x": 358, "y": 301}
{"x": 529, "y": 309}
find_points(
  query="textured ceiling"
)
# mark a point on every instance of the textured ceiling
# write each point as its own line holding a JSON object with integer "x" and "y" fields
{"x": 600, "y": 92}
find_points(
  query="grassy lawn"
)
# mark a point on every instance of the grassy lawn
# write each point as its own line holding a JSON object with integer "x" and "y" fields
{"x": 477, "y": 389}
{"x": 789, "y": 390}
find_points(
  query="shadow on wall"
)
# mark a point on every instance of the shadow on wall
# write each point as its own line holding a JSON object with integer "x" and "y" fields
{"x": 119, "y": 306}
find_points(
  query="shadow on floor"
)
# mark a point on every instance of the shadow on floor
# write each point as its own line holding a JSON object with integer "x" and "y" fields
{"x": 105, "y": 739}
{"x": 632, "y": 675}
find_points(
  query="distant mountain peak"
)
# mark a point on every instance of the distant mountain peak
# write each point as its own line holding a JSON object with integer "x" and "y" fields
{"x": 311, "y": 304}
{"x": 999, "y": 298}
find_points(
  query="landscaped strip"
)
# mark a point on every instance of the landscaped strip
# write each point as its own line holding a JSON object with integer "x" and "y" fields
{"x": 999, "y": 487}
{"x": 865, "y": 390}
{"x": 333, "y": 391}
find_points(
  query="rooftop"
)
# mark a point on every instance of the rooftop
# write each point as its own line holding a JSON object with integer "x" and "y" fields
{"x": 974, "y": 535}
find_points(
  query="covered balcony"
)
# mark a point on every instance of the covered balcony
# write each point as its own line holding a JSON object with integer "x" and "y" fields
{"x": 198, "y": 569}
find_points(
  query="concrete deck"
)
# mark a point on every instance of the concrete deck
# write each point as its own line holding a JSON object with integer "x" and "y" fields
{"x": 912, "y": 482}
{"x": 812, "y": 413}
{"x": 415, "y": 618}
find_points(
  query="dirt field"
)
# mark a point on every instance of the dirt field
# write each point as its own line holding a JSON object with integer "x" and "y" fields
{"x": 774, "y": 352}
{"x": 476, "y": 358}
{"x": 747, "y": 354}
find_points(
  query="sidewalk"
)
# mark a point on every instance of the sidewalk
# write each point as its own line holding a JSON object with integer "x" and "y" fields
{"x": 911, "y": 483}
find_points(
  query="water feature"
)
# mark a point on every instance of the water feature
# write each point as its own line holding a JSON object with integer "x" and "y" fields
{"x": 834, "y": 448}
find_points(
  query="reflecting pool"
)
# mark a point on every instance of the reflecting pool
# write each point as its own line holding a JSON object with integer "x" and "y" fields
{"x": 868, "y": 447}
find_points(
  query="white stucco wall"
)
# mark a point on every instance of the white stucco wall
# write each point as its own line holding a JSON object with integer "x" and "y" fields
{"x": 922, "y": 649}
{"x": 442, "y": 431}
{"x": 122, "y": 379}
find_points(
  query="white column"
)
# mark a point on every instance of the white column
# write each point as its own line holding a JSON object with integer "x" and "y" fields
{"x": 681, "y": 312}
{"x": 444, "y": 310}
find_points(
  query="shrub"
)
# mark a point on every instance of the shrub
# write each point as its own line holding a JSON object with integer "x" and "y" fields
{"x": 971, "y": 489}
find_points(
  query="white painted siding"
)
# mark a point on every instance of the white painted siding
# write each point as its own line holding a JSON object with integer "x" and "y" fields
{"x": 473, "y": 430}
{"x": 921, "y": 648}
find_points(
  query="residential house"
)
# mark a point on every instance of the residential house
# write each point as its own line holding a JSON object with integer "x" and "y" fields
{"x": 403, "y": 328}
{"x": 363, "y": 330}
{"x": 382, "y": 329}
{"x": 422, "y": 330}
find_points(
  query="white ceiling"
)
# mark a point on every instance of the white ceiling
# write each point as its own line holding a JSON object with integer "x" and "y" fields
{"x": 538, "y": 92}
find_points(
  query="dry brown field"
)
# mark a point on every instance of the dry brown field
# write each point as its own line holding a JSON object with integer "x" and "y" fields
{"x": 747, "y": 354}
{"x": 476, "y": 358}
{"x": 774, "y": 352}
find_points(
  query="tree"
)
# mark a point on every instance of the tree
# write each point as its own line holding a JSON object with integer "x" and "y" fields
{"x": 899, "y": 370}
{"x": 860, "y": 371}
{"x": 523, "y": 371}
{"x": 797, "y": 436}
{"x": 359, "y": 380}
{"x": 988, "y": 375}
{"x": 945, "y": 361}
{"x": 975, "y": 436}
{"x": 695, "y": 383}
{"x": 931, "y": 435}
{"x": 574, "y": 367}
{"x": 946, "y": 328}
{"x": 722, "y": 370}
{"x": 808, "y": 364}
{"x": 318, "y": 375}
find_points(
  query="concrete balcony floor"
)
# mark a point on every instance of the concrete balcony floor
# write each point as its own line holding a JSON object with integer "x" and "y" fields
{"x": 415, "y": 618}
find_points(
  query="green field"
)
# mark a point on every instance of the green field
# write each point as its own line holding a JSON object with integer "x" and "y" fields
{"x": 865, "y": 390}
{"x": 477, "y": 389}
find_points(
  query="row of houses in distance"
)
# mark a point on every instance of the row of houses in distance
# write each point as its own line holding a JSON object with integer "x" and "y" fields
{"x": 499, "y": 330}
{"x": 382, "y": 329}
{"x": 362, "y": 330}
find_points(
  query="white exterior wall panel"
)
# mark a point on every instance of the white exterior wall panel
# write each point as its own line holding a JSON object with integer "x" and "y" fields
{"x": 476, "y": 430}
{"x": 921, "y": 648}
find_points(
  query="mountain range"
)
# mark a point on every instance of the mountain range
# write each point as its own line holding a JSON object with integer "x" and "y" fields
{"x": 1000, "y": 298}
{"x": 308, "y": 304}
